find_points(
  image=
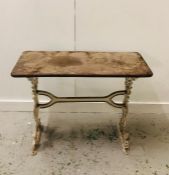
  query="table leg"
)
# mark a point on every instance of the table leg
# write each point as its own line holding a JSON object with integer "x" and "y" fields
{"x": 38, "y": 127}
{"x": 124, "y": 135}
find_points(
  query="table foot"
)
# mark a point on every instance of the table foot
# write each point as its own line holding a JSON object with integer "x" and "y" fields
{"x": 37, "y": 139}
{"x": 124, "y": 138}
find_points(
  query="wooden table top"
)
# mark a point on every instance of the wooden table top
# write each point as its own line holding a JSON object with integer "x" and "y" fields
{"x": 81, "y": 64}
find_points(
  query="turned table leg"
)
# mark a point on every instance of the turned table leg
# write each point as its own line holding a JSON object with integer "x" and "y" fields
{"x": 124, "y": 135}
{"x": 38, "y": 127}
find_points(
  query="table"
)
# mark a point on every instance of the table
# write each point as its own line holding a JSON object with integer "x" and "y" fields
{"x": 35, "y": 64}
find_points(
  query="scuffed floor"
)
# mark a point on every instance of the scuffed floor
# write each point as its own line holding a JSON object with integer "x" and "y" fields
{"x": 84, "y": 144}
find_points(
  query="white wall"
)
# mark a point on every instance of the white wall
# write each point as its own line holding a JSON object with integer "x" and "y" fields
{"x": 101, "y": 25}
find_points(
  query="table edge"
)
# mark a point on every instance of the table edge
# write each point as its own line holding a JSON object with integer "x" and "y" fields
{"x": 94, "y": 76}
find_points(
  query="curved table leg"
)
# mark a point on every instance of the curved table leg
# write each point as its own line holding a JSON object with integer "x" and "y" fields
{"x": 124, "y": 135}
{"x": 38, "y": 127}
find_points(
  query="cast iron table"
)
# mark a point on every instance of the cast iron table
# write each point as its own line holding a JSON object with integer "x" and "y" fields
{"x": 35, "y": 64}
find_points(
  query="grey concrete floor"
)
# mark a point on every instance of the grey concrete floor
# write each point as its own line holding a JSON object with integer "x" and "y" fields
{"x": 84, "y": 144}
